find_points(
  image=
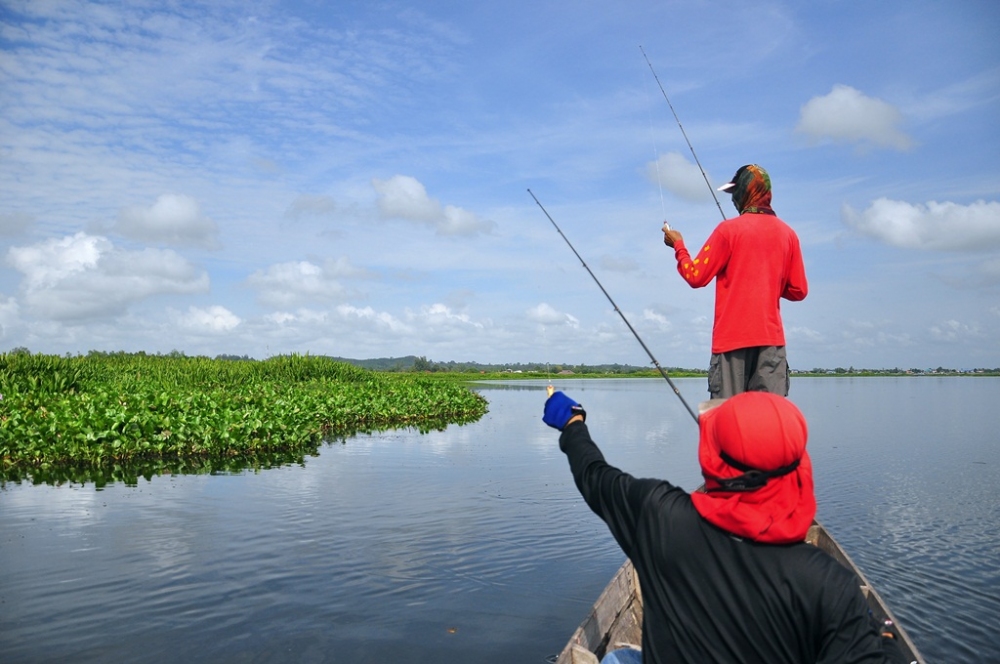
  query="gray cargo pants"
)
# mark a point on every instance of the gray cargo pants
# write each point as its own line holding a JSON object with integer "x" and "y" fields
{"x": 761, "y": 368}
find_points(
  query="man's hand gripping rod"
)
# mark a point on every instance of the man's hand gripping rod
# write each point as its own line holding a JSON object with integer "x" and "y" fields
{"x": 619, "y": 311}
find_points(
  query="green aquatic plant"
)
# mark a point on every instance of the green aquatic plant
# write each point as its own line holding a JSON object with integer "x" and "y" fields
{"x": 62, "y": 419}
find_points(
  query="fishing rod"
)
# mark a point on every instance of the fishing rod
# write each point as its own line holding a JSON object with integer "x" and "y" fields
{"x": 619, "y": 311}
{"x": 690, "y": 147}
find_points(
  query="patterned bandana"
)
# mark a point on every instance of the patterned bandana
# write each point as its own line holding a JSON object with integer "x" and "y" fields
{"x": 752, "y": 193}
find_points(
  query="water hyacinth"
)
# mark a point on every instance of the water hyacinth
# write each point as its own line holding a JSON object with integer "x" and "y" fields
{"x": 80, "y": 418}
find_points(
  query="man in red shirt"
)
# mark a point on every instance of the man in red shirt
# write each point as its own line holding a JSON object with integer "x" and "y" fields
{"x": 755, "y": 260}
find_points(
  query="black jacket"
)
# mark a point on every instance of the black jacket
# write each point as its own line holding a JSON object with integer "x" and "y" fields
{"x": 710, "y": 596}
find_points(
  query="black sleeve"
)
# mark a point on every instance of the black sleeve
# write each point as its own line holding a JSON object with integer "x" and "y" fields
{"x": 851, "y": 633}
{"x": 613, "y": 495}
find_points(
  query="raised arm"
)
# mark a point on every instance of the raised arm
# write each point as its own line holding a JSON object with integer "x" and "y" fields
{"x": 699, "y": 270}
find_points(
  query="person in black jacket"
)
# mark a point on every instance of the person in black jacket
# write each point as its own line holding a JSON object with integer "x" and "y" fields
{"x": 725, "y": 573}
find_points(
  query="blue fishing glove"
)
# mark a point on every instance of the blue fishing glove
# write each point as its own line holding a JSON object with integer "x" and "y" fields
{"x": 559, "y": 408}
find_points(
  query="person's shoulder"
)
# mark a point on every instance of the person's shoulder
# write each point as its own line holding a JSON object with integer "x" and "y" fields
{"x": 729, "y": 229}
{"x": 778, "y": 221}
{"x": 664, "y": 494}
{"x": 746, "y": 221}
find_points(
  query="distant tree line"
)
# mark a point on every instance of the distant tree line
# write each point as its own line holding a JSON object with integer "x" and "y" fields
{"x": 423, "y": 365}
{"x": 896, "y": 371}
{"x": 420, "y": 364}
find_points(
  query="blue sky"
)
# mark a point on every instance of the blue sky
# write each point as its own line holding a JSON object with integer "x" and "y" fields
{"x": 351, "y": 178}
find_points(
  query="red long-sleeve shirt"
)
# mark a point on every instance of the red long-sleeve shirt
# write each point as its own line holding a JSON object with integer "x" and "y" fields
{"x": 755, "y": 260}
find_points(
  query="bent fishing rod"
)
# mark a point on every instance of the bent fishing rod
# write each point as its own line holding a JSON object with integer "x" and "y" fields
{"x": 690, "y": 147}
{"x": 619, "y": 311}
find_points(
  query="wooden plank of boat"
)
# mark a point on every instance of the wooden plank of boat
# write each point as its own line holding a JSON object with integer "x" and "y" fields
{"x": 616, "y": 617}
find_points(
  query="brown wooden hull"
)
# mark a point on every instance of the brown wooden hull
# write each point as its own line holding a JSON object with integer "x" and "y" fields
{"x": 616, "y": 617}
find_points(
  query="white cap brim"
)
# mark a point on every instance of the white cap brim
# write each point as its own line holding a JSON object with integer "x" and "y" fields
{"x": 727, "y": 186}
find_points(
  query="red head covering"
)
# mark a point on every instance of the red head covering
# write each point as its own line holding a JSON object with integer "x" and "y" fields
{"x": 765, "y": 432}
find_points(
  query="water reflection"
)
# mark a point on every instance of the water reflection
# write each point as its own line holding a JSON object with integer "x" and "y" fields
{"x": 527, "y": 384}
{"x": 129, "y": 472}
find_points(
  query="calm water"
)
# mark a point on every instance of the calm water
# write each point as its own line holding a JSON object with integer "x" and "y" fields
{"x": 472, "y": 545}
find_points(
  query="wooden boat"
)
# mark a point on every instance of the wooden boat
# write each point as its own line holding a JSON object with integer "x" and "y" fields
{"x": 616, "y": 618}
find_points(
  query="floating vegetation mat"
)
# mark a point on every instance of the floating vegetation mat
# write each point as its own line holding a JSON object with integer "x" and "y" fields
{"x": 118, "y": 417}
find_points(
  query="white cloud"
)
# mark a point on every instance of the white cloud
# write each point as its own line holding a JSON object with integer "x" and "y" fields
{"x": 173, "y": 219}
{"x": 954, "y": 331}
{"x": 46, "y": 264}
{"x": 297, "y": 282}
{"x": 372, "y": 320}
{"x": 351, "y": 331}
{"x": 547, "y": 315}
{"x": 9, "y": 314}
{"x": 804, "y": 333}
{"x": 661, "y": 321}
{"x": 875, "y": 339}
{"x": 679, "y": 176}
{"x": 346, "y": 330}
{"x": 85, "y": 276}
{"x": 847, "y": 115}
{"x": 404, "y": 197}
{"x": 871, "y": 334}
{"x": 300, "y": 319}
{"x": 213, "y": 320}
{"x": 936, "y": 226}
{"x": 457, "y": 221}
{"x": 280, "y": 317}
{"x": 439, "y": 315}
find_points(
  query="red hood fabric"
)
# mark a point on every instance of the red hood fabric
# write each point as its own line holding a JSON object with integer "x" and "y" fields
{"x": 766, "y": 432}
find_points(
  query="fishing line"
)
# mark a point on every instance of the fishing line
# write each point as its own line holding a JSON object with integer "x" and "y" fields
{"x": 548, "y": 372}
{"x": 619, "y": 311}
{"x": 690, "y": 147}
{"x": 656, "y": 161}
